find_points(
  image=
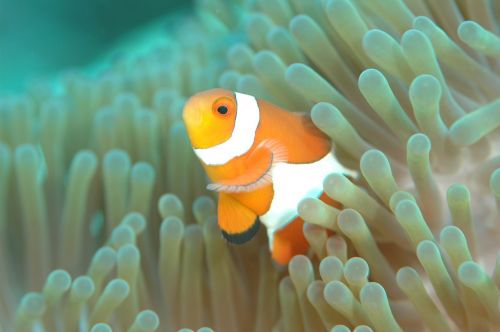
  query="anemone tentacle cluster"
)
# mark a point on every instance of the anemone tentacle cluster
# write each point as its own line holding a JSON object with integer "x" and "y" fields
{"x": 409, "y": 92}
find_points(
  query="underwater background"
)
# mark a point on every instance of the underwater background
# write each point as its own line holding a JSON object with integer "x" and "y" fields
{"x": 105, "y": 220}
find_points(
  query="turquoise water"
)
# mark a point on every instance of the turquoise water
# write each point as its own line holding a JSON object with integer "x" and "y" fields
{"x": 40, "y": 38}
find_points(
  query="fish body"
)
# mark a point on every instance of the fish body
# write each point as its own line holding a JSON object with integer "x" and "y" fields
{"x": 262, "y": 161}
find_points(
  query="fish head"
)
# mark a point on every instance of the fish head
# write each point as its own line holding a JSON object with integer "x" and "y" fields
{"x": 209, "y": 117}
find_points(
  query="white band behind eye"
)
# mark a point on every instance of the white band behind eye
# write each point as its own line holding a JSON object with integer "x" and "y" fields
{"x": 242, "y": 137}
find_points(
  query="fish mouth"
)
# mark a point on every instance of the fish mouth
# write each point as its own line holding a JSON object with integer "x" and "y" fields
{"x": 191, "y": 115}
{"x": 196, "y": 124}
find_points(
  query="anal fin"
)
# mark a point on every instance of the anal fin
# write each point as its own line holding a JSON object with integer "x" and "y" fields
{"x": 289, "y": 241}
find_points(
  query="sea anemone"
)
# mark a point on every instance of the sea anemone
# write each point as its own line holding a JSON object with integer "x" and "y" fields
{"x": 97, "y": 177}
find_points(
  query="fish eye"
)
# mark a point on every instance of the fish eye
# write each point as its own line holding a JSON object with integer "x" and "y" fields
{"x": 222, "y": 107}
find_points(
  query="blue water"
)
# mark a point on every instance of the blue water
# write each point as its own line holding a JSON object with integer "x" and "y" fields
{"x": 41, "y": 37}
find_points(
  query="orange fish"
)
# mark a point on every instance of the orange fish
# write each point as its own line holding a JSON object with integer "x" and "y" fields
{"x": 262, "y": 160}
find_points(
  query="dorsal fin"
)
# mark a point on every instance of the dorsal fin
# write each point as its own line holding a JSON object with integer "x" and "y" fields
{"x": 304, "y": 142}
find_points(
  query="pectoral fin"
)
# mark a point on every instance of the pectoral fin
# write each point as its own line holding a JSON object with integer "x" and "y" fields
{"x": 258, "y": 172}
{"x": 238, "y": 223}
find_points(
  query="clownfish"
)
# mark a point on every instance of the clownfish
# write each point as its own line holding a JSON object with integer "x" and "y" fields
{"x": 262, "y": 160}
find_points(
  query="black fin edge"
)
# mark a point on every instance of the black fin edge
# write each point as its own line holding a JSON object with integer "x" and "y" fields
{"x": 240, "y": 238}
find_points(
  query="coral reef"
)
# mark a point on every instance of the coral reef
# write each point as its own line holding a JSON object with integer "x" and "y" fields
{"x": 407, "y": 90}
